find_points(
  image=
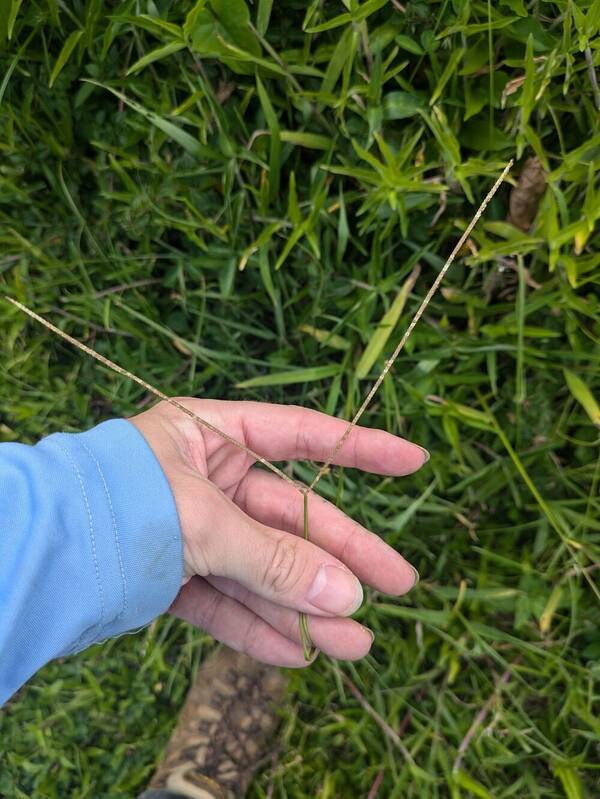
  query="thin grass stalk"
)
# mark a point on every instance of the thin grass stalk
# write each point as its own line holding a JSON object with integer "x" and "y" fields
{"x": 544, "y": 507}
{"x": 152, "y": 389}
{"x": 308, "y": 647}
{"x": 420, "y": 311}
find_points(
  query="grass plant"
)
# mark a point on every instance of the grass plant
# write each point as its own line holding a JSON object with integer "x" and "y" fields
{"x": 230, "y": 199}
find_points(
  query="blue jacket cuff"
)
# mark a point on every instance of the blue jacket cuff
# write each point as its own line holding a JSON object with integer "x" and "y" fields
{"x": 135, "y": 536}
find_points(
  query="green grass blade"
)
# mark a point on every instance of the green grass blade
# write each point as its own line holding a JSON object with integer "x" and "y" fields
{"x": 308, "y": 375}
{"x": 189, "y": 143}
{"x": 155, "y": 55}
{"x": 275, "y": 145}
{"x": 385, "y": 327}
{"x": 64, "y": 55}
{"x": 583, "y": 395}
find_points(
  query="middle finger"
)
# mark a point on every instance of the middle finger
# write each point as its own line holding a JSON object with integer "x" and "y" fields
{"x": 276, "y": 503}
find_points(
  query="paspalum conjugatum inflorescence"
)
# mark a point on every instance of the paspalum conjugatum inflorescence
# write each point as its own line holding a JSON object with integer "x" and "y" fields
{"x": 307, "y": 645}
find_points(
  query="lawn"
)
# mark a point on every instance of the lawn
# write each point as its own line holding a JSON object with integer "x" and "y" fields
{"x": 228, "y": 199}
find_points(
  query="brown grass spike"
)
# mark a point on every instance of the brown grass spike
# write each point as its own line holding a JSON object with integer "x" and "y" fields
{"x": 428, "y": 297}
{"x": 152, "y": 389}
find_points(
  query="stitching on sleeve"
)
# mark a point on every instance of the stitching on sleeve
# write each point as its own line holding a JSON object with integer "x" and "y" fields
{"x": 93, "y": 544}
{"x": 115, "y": 528}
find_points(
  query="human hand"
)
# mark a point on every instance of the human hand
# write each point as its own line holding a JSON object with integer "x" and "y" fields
{"x": 248, "y": 571}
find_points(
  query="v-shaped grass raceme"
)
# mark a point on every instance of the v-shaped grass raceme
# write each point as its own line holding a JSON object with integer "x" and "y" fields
{"x": 307, "y": 645}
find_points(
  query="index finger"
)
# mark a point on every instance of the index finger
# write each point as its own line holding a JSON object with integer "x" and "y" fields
{"x": 289, "y": 432}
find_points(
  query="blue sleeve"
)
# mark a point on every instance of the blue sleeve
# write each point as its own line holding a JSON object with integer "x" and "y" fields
{"x": 90, "y": 545}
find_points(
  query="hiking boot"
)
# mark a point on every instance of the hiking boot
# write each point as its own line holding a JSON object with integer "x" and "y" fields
{"x": 224, "y": 730}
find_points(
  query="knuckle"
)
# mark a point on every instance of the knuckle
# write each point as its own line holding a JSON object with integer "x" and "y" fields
{"x": 302, "y": 441}
{"x": 254, "y": 632}
{"x": 292, "y": 514}
{"x": 206, "y": 613}
{"x": 293, "y": 628}
{"x": 282, "y": 572}
{"x": 349, "y": 545}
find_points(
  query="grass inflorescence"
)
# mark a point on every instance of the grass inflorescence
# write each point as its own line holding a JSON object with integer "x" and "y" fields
{"x": 309, "y": 649}
{"x": 233, "y": 210}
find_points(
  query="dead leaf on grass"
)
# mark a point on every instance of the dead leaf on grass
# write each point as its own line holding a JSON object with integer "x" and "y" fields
{"x": 526, "y": 196}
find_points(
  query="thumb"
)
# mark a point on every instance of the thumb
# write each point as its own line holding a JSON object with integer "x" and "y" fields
{"x": 223, "y": 541}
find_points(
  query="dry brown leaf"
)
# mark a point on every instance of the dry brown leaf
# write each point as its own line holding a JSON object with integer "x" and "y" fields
{"x": 224, "y": 91}
{"x": 511, "y": 87}
{"x": 526, "y": 196}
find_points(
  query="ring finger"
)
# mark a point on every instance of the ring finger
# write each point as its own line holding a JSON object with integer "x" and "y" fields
{"x": 341, "y": 638}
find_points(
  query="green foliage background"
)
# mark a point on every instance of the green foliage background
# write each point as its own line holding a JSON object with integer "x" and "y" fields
{"x": 227, "y": 199}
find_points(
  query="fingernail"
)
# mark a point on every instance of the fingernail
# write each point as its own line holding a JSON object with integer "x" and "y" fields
{"x": 371, "y": 633}
{"x": 426, "y": 455}
{"x": 417, "y": 575}
{"x": 335, "y": 591}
